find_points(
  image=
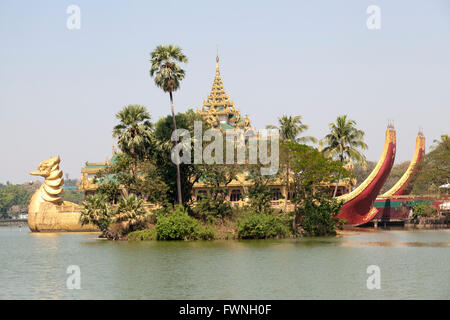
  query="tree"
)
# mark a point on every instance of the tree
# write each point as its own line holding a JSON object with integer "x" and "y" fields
{"x": 167, "y": 76}
{"x": 343, "y": 143}
{"x": 98, "y": 211}
{"x": 131, "y": 213}
{"x": 290, "y": 128}
{"x": 14, "y": 195}
{"x": 260, "y": 193}
{"x": 216, "y": 177}
{"x": 133, "y": 132}
{"x": 189, "y": 173}
{"x": 434, "y": 169}
{"x": 312, "y": 172}
{"x": 118, "y": 176}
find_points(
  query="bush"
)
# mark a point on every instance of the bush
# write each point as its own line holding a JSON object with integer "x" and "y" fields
{"x": 424, "y": 209}
{"x": 319, "y": 218}
{"x": 146, "y": 234}
{"x": 262, "y": 226}
{"x": 180, "y": 226}
{"x": 209, "y": 208}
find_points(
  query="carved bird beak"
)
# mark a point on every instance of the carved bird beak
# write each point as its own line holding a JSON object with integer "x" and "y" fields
{"x": 37, "y": 173}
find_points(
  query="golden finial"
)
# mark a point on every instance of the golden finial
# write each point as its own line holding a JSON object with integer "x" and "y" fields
{"x": 217, "y": 64}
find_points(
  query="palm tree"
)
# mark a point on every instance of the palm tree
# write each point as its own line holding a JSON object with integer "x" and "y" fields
{"x": 290, "y": 128}
{"x": 167, "y": 77}
{"x": 131, "y": 212}
{"x": 343, "y": 143}
{"x": 98, "y": 211}
{"x": 133, "y": 132}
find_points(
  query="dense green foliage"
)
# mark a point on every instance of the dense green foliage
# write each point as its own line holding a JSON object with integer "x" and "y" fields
{"x": 14, "y": 199}
{"x": 319, "y": 217}
{"x": 290, "y": 129}
{"x": 161, "y": 154}
{"x": 143, "y": 235}
{"x": 98, "y": 211}
{"x": 262, "y": 226}
{"x": 114, "y": 221}
{"x": 214, "y": 204}
{"x": 260, "y": 194}
{"x": 424, "y": 209}
{"x": 74, "y": 196}
{"x": 434, "y": 169}
{"x": 312, "y": 171}
{"x": 180, "y": 226}
{"x": 344, "y": 142}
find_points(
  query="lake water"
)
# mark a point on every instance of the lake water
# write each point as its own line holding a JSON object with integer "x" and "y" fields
{"x": 413, "y": 265}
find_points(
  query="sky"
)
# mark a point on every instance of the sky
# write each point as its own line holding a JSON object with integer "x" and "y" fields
{"x": 60, "y": 88}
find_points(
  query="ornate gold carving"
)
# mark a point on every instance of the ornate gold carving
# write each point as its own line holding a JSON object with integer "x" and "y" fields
{"x": 52, "y": 187}
{"x": 46, "y": 210}
{"x": 218, "y": 108}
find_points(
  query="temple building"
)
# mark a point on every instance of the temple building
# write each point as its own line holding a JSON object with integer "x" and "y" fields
{"x": 219, "y": 111}
{"x": 89, "y": 171}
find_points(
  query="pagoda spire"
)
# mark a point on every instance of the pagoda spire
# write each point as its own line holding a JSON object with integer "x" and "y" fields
{"x": 218, "y": 97}
{"x": 218, "y": 109}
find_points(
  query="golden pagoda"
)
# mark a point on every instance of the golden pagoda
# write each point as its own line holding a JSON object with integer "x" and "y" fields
{"x": 219, "y": 111}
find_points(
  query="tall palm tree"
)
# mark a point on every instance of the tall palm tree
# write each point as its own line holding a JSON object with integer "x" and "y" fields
{"x": 133, "y": 132}
{"x": 167, "y": 76}
{"x": 290, "y": 128}
{"x": 343, "y": 143}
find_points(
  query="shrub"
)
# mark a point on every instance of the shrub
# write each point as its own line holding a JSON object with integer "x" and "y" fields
{"x": 424, "y": 209}
{"x": 180, "y": 226}
{"x": 210, "y": 208}
{"x": 146, "y": 234}
{"x": 319, "y": 218}
{"x": 262, "y": 226}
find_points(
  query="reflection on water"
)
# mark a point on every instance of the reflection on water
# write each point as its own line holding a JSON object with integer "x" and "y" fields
{"x": 414, "y": 265}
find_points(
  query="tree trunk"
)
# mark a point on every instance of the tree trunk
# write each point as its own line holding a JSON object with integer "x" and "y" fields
{"x": 341, "y": 158}
{"x": 336, "y": 187}
{"x": 180, "y": 200}
{"x": 107, "y": 233}
{"x": 287, "y": 187}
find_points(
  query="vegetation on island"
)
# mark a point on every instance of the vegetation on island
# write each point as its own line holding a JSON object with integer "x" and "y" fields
{"x": 145, "y": 195}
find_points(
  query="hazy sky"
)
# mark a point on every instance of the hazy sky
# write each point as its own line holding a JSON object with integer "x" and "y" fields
{"x": 61, "y": 88}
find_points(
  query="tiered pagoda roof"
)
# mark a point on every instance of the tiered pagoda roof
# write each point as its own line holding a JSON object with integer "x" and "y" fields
{"x": 219, "y": 111}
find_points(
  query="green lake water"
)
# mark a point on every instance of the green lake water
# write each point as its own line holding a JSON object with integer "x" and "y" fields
{"x": 413, "y": 265}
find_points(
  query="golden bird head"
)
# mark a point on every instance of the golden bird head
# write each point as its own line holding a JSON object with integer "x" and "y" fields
{"x": 46, "y": 167}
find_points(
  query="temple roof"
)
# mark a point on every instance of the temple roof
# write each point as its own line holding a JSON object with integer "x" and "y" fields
{"x": 218, "y": 109}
